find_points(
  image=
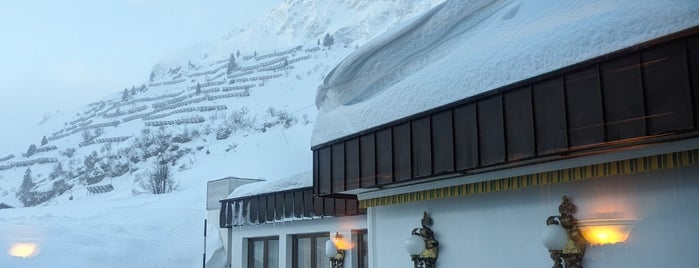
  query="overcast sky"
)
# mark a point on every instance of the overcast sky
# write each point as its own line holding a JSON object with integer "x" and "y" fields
{"x": 62, "y": 54}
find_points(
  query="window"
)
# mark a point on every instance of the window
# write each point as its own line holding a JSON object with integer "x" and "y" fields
{"x": 309, "y": 251}
{"x": 362, "y": 249}
{"x": 263, "y": 252}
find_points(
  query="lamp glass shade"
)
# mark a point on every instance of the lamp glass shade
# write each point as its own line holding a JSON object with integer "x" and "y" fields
{"x": 414, "y": 245}
{"x": 330, "y": 249}
{"x": 606, "y": 231}
{"x": 554, "y": 237}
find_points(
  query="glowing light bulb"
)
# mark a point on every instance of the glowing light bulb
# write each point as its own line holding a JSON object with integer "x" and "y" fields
{"x": 23, "y": 250}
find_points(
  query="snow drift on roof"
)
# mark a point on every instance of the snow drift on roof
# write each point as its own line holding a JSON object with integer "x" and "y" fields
{"x": 463, "y": 48}
{"x": 300, "y": 180}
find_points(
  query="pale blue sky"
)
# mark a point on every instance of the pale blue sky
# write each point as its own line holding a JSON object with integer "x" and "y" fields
{"x": 62, "y": 54}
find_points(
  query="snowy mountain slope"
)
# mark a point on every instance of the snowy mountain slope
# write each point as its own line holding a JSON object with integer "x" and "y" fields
{"x": 254, "y": 121}
{"x": 305, "y": 22}
{"x": 462, "y": 49}
{"x": 179, "y": 117}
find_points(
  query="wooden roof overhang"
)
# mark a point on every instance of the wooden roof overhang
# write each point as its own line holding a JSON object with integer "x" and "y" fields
{"x": 287, "y": 205}
{"x": 642, "y": 94}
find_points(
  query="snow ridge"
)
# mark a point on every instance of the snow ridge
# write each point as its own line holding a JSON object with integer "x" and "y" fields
{"x": 460, "y": 49}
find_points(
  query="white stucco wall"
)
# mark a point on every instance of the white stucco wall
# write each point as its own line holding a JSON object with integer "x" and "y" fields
{"x": 503, "y": 229}
{"x": 286, "y": 231}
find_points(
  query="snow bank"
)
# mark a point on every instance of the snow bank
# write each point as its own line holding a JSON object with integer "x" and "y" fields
{"x": 462, "y": 48}
{"x": 300, "y": 180}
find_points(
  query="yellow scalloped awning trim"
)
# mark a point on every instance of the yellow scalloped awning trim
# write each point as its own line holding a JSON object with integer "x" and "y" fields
{"x": 630, "y": 166}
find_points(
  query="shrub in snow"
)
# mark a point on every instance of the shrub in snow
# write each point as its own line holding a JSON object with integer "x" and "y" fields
{"x": 28, "y": 196}
{"x": 328, "y": 40}
{"x": 96, "y": 175}
{"x": 25, "y": 194}
{"x": 68, "y": 152}
{"x": 57, "y": 171}
{"x": 159, "y": 180}
{"x": 116, "y": 166}
{"x": 223, "y": 133}
{"x": 60, "y": 186}
{"x": 91, "y": 135}
{"x": 30, "y": 151}
{"x": 280, "y": 117}
{"x": 185, "y": 136}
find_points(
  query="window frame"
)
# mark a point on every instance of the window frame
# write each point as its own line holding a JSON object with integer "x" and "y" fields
{"x": 313, "y": 237}
{"x": 358, "y": 237}
{"x": 265, "y": 250}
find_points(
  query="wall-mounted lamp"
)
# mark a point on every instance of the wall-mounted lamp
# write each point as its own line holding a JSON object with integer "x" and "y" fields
{"x": 336, "y": 255}
{"x": 562, "y": 238}
{"x": 422, "y": 246}
{"x": 606, "y": 231}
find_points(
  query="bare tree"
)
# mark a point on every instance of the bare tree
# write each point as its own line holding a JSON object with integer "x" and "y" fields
{"x": 159, "y": 181}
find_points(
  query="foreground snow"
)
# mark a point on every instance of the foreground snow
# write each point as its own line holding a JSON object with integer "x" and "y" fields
{"x": 143, "y": 231}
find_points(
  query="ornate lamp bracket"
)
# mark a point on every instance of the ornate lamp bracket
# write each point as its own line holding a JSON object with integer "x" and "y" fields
{"x": 571, "y": 255}
{"x": 428, "y": 257}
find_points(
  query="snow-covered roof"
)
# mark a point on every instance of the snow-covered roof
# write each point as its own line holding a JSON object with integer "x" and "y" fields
{"x": 300, "y": 180}
{"x": 462, "y": 48}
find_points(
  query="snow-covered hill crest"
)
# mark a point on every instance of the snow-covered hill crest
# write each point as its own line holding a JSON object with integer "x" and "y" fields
{"x": 294, "y": 22}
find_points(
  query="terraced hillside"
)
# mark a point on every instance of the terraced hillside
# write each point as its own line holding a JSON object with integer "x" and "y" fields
{"x": 210, "y": 108}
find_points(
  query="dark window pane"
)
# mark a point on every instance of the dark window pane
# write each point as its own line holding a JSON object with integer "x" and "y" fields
{"x": 316, "y": 171}
{"x": 340, "y": 207}
{"x": 308, "y": 203}
{"x": 550, "y": 116}
{"x": 223, "y": 215}
{"x": 693, "y": 50}
{"x": 442, "y": 142}
{"x": 623, "y": 98}
{"x": 298, "y": 203}
{"x": 338, "y": 168}
{"x": 328, "y": 207}
{"x": 368, "y": 160}
{"x": 352, "y": 207}
{"x": 519, "y": 124}
{"x": 254, "y": 209}
{"x": 352, "y": 164}
{"x": 271, "y": 204}
{"x": 491, "y": 131}
{"x": 421, "y": 147}
{"x": 280, "y": 206}
{"x": 584, "y": 103}
{"x": 384, "y": 157}
{"x": 324, "y": 176}
{"x": 262, "y": 211}
{"x": 666, "y": 83}
{"x": 466, "y": 137}
{"x": 289, "y": 205}
{"x": 401, "y": 152}
{"x": 318, "y": 206}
